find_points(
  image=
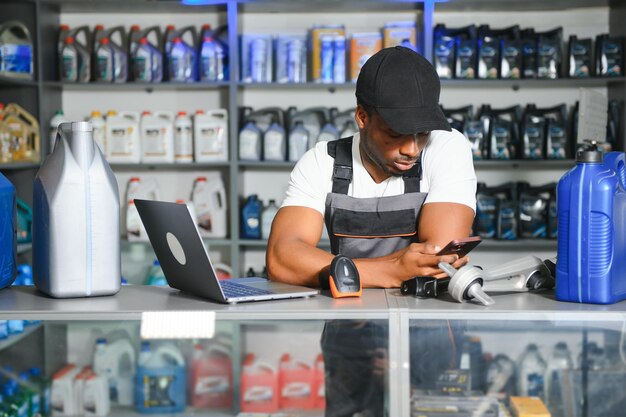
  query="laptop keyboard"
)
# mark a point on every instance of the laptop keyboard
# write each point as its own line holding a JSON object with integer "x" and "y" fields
{"x": 233, "y": 290}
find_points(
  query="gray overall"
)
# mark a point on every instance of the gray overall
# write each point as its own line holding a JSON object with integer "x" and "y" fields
{"x": 364, "y": 228}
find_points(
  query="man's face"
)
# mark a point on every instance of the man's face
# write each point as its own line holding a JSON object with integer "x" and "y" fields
{"x": 384, "y": 151}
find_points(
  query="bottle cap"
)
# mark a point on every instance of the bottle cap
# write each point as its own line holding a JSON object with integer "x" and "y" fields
{"x": 590, "y": 154}
{"x": 135, "y": 27}
{"x": 182, "y": 113}
{"x": 104, "y": 41}
{"x": 177, "y": 40}
{"x": 69, "y": 40}
{"x": 143, "y": 41}
{"x": 99, "y": 27}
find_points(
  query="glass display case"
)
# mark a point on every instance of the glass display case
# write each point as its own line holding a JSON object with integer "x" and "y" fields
{"x": 155, "y": 350}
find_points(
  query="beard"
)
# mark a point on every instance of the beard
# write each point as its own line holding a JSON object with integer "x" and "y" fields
{"x": 374, "y": 157}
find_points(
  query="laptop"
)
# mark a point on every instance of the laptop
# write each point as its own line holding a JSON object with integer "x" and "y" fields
{"x": 186, "y": 264}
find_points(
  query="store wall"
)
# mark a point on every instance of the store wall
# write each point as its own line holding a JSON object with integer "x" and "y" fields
{"x": 271, "y": 184}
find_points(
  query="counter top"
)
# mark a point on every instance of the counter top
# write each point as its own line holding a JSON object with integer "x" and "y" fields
{"x": 29, "y": 304}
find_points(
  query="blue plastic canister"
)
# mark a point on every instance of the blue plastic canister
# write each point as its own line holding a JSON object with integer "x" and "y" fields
{"x": 591, "y": 205}
{"x": 8, "y": 233}
{"x": 251, "y": 218}
{"x": 160, "y": 384}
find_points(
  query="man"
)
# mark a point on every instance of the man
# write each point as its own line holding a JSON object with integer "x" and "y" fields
{"x": 391, "y": 196}
{"x": 402, "y": 134}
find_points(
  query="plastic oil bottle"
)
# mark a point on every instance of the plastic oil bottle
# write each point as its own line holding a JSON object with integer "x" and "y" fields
{"x": 68, "y": 60}
{"x": 146, "y": 58}
{"x": 211, "y": 377}
{"x": 99, "y": 130}
{"x": 76, "y": 214}
{"x": 298, "y": 142}
{"x": 209, "y": 198}
{"x": 143, "y": 189}
{"x": 267, "y": 217}
{"x": 75, "y": 62}
{"x": 559, "y": 359}
{"x": 592, "y": 230}
{"x": 160, "y": 384}
{"x": 104, "y": 61}
{"x": 114, "y": 55}
{"x": 16, "y": 50}
{"x": 123, "y": 142}
{"x": 156, "y": 275}
{"x": 250, "y": 142}
{"x": 275, "y": 143}
{"x": 8, "y": 236}
{"x": 531, "y": 371}
{"x": 183, "y": 138}
{"x": 116, "y": 362}
{"x": 251, "y": 218}
{"x": 6, "y": 142}
{"x": 157, "y": 137}
{"x": 211, "y": 136}
{"x": 24, "y": 128}
{"x": 56, "y": 120}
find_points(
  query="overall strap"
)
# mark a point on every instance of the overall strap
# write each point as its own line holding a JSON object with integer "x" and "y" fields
{"x": 341, "y": 151}
{"x": 413, "y": 177}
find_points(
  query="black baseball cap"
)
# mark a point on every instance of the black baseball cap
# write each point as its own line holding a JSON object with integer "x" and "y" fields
{"x": 403, "y": 87}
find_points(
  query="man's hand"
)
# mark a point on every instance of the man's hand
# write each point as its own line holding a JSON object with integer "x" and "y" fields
{"x": 421, "y": 259}
{"x": 415, "y": 259}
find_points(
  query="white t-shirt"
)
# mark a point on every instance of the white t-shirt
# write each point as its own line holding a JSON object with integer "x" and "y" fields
{"x": 447, "y": 174}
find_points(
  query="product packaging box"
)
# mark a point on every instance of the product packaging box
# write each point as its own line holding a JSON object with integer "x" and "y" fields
{"x": 291, "y": 59}
{"x": 256, "y": 58}
{"x": 316, "y": 47}
{"x": 400, "y": 33}
{"x": 362, "y": 47}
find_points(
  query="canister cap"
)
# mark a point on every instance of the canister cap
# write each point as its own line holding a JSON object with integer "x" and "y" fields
{"x": 82, "y": 127}
{"x": 590, "y": 154}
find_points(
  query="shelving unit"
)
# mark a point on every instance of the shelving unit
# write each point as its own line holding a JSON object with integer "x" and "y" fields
{"x": 15, "y": 338}
{"x": 526, "y": 315}
{"x": 45, "y": 94}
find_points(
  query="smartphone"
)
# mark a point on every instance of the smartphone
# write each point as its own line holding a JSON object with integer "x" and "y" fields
{"x": 460, "y": 247}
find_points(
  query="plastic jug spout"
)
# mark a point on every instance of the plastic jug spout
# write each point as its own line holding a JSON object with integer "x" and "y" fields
{"x": 79, "y": 136}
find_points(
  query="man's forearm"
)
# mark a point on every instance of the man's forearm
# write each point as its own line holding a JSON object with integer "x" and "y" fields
{"x": 296, "y": 262}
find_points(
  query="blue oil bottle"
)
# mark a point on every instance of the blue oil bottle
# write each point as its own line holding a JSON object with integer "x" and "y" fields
{"x": 251, "y": 218}
{"x": 8, "y": 236}
{"x": 591, "y": 208}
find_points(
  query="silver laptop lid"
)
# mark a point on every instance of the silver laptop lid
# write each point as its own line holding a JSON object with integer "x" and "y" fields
{"x": 179, "y": 248}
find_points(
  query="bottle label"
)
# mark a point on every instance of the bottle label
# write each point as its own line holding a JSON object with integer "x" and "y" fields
{"x": 212, "y": 141}
{"x": 120, "y": 141}
{"x": 155, "y": 391}
{"x": 214, "y": 384}
{"x": 18, "y": 58}
{"x": 535, "y": 385}
{"x": 274, "y": 146}
{"x": 154, "y": 141}
{"x": 69, "y": 65}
